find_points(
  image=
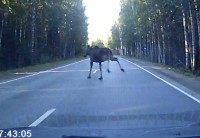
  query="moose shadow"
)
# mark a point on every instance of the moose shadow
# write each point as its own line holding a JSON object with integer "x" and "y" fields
{"x": 100, "y": 55}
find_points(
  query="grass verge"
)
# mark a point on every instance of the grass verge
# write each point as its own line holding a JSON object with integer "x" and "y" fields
{"x": 179, "y": 70}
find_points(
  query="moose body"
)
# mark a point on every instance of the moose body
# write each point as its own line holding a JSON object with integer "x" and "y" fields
{"x": 100, "y": 55}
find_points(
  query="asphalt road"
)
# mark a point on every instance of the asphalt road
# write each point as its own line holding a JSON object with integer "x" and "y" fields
{"x": 64, "y": 97}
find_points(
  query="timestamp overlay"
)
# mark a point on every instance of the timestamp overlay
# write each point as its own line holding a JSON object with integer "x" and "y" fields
{"x": 22, "y": 133}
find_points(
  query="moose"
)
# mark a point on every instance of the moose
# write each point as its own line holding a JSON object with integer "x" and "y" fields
{"x": 100, "y": 55}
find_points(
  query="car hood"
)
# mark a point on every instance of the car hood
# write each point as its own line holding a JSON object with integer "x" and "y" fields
{"x": 89, "y": 132}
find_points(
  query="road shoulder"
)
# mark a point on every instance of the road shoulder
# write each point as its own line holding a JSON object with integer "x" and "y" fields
{"x": 30, "y": 70}
{"x": 190, "y": 82}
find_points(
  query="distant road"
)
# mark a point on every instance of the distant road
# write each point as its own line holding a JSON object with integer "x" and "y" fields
{"x": 64, "y": 97}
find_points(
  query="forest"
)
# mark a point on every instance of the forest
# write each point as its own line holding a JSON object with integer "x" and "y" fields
{"x": 161, "y": 31}
{"x": 39, "y": 31}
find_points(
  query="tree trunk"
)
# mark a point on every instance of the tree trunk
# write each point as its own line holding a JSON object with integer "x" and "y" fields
{"x": 154, "y": 41}
{"x": 33, "y": 33}
{"x": 1, "y": 33}
{"x": 198, "y": 33}
{"x": 159, "y": 44}
{"x": 163, "y": 43}
{"x": 194, "y": 34}
{"x": 20, "y": 32}
{"x": 186, "y": 38}
{"x": 151, "y": 48}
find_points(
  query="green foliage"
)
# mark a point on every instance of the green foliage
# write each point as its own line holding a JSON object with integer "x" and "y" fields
{"x": 98, "y": 43}
{"x": 114, "y": 40}
{"x": 153, "y": 30}
{"x": 36, "y": 31}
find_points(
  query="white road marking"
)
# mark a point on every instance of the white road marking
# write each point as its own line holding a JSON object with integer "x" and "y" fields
{"x": 41, "y": 72}
{"x": 53, "y": 71}
{"x": 170, "y": 84}
{"x": 42, "y": 118}
{"x": 24, "y": 73}
{"x": 67, "y": 71}
{"x": 95, "y": 71}
{"x": 131, "y": 68}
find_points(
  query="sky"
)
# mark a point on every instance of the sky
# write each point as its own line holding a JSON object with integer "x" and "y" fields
{"x": 102, "y": 15}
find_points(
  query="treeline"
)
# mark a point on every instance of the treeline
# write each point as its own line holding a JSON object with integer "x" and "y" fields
{"x": 39, "y": 31}
{"x": 162, "y": 31}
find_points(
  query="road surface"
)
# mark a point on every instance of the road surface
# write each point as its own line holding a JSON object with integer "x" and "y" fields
{"x": 64, "y": 97}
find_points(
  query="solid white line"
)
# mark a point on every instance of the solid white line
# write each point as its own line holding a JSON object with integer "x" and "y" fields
{"x": 41, "y": 72}
{"x": 21, "y": 78}
{"x": 24, "y": 73}
{"x": 68, "y": 65}
{"x": 42, "y": 118}
{"x": 180, "y": 90}
{"x": 95, "y": 71}
{"x": 66, "y": 71}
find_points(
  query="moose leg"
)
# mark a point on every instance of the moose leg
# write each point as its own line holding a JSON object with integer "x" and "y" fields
{"x": 108, "y": 70}
{"x": 100, "y": 71}
{"x": 91, "y": 64}
{"x": 116, "y": 59}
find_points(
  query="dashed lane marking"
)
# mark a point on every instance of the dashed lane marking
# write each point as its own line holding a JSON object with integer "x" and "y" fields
{"x": 42, "y": 118}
